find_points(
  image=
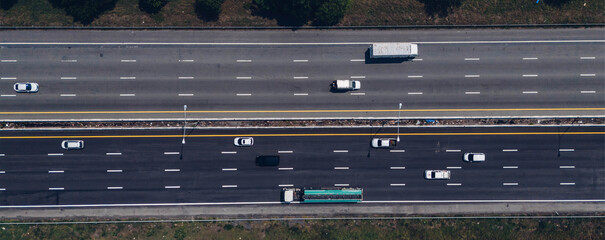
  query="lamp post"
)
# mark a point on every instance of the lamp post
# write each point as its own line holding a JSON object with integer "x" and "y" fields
{"x": 185, "y": 122}
{"x": 398, "y": 117}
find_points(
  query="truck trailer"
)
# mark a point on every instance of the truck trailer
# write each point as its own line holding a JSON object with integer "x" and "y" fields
{"x": 393, "y": 50}
{"x": 324, "y": 195}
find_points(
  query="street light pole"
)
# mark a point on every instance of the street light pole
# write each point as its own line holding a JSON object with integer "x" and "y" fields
{"x": 185, "y": 124}
{"x": 398, "y": 117}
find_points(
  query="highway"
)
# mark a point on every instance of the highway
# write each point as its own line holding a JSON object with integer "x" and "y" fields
{"x": 119, "y": 75}
{"x": 154, "y": 167}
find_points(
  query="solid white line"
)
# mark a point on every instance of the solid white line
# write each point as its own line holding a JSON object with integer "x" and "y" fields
{"x": 301, "y": 77}
{"x": 510, "y": 167}
{"x": 69, "y": 61}
{"x": 229, "y": 169}
{"x": 172, "y": 170}
{"x": 301, "y": 94}
{"x": 530, "y": 92}
{"x": 171, "y": 153}
{"x": 229, "y": 186}
{"x": 128, "y": 60}
{"x": 68, "y": 78}
{"x": 358, "y": 77}
{"x": 567, "y": 184}
{"x": 341, "y": 151}
{"x": 453, "y": 150}
{"x": 114, "y": 170}
{"x": 68, "y": 95}
{"x": 567, "y": 167}
{"x": 530, "y": 75}
{"x": 185, "y": 77}
{"x": 300, "y": 60}
{"x": 341, "y": 185}
{"x": 55, "y": 154}
{"x": 285, "y": 169}
{"x": 566, "y": 150}
{"x": 510, "y": 150}
{"x": 186, "y": 60}
{"x": 185, "y": 94}
{"x": 397, "y": 184}
{"x": 530, "y": 58}
{"x": 454, "y": 184}
{"x": 172, "y": 187}
{"x": 243, "y": 78}
{"x": 454, "y": 167}
{"x": 341, "y": 168}
{"x": 113, "y": 154}
{"x": 472, "y": 59}
{"x": 127, "y": 95}
{"x": 587, "y": 58}
{"x": 397, "y": 151}
{"x": 229, "y": 152}
{"x": 243, "y": 94}
{"x": 286, "y": 185}
{"x": 417, "y": 59}
{"x": 56, "y": 171}
{"x": 587, "y": 75}
{"x": 244, "y": 60}
{"x": 510, "y": 184}
{"x": 56, "y": 188}
{"x": 397, "y": 168}
{"x": 8, "y": 95}
{"x": 414, "y": 76}
{"x": 115, "y": 188}
{"x": 472, "y": 93}
{"x": 588, "y": 91}
{"x": 358, "y": 60}
{"x": 8, "y": 78}
{"x": 415, "y": 93}
{"x": 472, "y": 76}
{"x": 127, "y": 78}
{"x": 285, "y": 151}
{"x": 358, "y": 94}
{"x": 8, "y": 60}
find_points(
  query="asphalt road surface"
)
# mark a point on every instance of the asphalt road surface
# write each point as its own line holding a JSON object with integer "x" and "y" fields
{"x": 153, "y": 166}
{"x": 105, "y": 75}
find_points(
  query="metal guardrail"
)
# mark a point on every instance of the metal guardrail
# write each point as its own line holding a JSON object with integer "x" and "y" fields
{"x": 585, "y": 25}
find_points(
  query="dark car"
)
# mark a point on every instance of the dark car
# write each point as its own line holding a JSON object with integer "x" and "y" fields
{"x": 266, "y": 161}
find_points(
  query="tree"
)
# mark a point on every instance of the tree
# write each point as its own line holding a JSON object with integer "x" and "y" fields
{"x": 440, "y": 7}
{"x": 84, "y": 11}
{"x": 7, "y": 4}
{"x": 556, "y": 3}
{"x": 330, "y": 12}
{"x": 208, "y": 9}
{"x": 152, "y": 6}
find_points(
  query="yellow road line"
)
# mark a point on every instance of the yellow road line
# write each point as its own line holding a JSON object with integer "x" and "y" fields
{"x": 316, "y": 111}
{"x": 308, "y": 135}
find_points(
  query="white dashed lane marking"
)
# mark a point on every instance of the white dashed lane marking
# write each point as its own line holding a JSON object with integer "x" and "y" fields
{"x": 114, "y": 170}
{"x": 240, "y": 78}
{"x": 397, "y": 185}
{"x": 510, "y": 184}
{"x": 530, "y": 58}
{"x": 300, "y": 60}
{"x": 588, "y": 75}
{"x": 115, "y": 188}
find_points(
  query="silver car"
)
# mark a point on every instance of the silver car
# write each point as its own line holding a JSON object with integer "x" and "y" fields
{"x": 72, "y": 144}
{"x": 26, "y": 87}
{"x": 243, "y": 141}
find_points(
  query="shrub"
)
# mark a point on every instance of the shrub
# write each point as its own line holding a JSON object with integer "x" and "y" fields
{"x": 440, "y": 7}
{"x": 152, "y": 6}
{"x": 7, "y": 4}
{"x": 299, "y": 12}
{"x": 330, "y": 12}
{"x": 208, "y": 9}
{"x": 84, "y": 11}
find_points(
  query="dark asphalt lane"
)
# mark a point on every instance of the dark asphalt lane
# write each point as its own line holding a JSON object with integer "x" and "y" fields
{"x": 101, "y": 77}
{"x": 541, "y": 166}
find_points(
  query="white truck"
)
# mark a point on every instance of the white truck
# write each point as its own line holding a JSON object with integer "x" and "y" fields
{"x": 437, "y": 174}
{"x": 384, "y": 142}
{"x": 393, "y": 50}
{"x": 344, "y": 85}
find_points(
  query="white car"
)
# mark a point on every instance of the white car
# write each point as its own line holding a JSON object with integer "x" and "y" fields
{"x": 243, "y": 141}
{"x": 437, "y": 174}
{"x": 474, "y": 157}
{"x": 26, "y": 87}
{"x": 72, "y": 144}
{"x": 383, "y": 142}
